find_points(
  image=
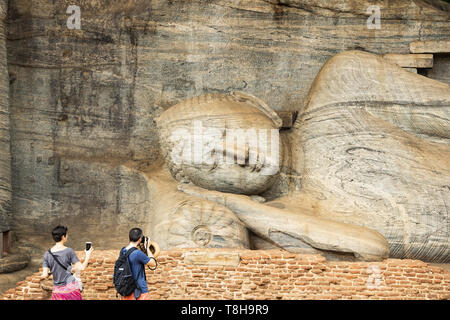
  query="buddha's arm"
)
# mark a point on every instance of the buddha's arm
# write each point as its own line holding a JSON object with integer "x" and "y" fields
{"x": 317, "y": 232}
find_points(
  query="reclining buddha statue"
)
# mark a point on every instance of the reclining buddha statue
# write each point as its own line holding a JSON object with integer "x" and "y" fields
{"x": 363, "y": 173}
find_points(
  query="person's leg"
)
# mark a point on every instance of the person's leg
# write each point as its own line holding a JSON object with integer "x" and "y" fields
{"x": 66, "y": 292}
{"x": 129, "y": 297}
{"x": 144, "y": 296}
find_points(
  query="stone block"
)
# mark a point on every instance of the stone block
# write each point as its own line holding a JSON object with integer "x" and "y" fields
{"x": 410, "y": 60}
{"x": 430, "y": 46}
{"x": 212, "y": 258}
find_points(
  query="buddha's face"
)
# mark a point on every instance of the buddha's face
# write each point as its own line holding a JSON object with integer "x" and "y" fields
{"x": 235, "y": 151}
{"x": 244, "y": 160}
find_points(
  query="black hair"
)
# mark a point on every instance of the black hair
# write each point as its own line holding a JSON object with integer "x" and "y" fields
{"x": 135, "y": 234}
{"x": 58, "y": 232}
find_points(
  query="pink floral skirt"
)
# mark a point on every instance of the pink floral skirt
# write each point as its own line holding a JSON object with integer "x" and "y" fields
{"x": 69, "y": 291}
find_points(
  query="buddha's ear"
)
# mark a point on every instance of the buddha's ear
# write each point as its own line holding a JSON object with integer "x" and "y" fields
{"x": 260, "y": 105}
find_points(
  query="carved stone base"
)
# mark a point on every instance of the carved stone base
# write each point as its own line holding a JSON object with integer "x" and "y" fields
{"x": 14, "y": 262}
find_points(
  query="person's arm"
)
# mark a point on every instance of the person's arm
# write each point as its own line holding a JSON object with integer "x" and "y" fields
{"x": 45, "y": 273}
{"x": 78, "y": 266}
{"x": 152, "y": 262}
{"x": 146, "y": 260}
{"x": 45, "y": 268}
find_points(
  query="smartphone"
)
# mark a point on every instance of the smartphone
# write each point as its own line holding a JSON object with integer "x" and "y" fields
{"x": 88, "y": 245}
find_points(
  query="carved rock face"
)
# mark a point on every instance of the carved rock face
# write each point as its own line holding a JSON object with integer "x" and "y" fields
{"x": 375, "y": 152}
{"x": 228, "y": 143}
{"x": 5, "y": 155}
{"x": 204, "y": 224}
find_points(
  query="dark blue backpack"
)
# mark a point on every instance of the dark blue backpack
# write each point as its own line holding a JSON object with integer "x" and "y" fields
{"x": 124, "y": 282}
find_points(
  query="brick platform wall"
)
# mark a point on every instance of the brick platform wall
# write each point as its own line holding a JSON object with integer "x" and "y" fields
{"x": 260, "y": 274}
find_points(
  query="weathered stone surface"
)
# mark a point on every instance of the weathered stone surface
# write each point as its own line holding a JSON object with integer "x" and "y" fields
{"x": 5, "y": 155}
{"x": 386, "y": 137}
{"x": 376, "y": 152}
{"x": 98, "y": 202}
{"x": 14, "y": 262}
{"x": 413, "y": 70}
{"x": 430, "y": 46}
{"x": 206, "y": 140}
{"x": 212, "y": 258}
{"x": 410, "y": 60}
{"x": 440, "y": 70}
{"x": 178, "y": 220}
{"x": 90, "y": 96}
{"x": 292, "y": 229}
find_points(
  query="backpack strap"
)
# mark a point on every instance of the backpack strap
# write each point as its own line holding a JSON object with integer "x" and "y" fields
{"x": 129, "y": 251}
{"x": 128, "y": 254}
{"x": 57, "y": 261}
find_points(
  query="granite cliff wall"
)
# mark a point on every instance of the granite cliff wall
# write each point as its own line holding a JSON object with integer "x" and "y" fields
{"x": 83, "y": 102}
{"x": 5, "y": 154}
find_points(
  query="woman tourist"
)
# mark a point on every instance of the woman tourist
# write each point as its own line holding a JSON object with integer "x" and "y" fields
{"x": 61, "y": 262}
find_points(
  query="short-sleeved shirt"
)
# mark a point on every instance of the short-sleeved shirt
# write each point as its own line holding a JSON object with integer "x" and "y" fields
{"x": 67, "y": 257}
{"x": 138, "y": 260}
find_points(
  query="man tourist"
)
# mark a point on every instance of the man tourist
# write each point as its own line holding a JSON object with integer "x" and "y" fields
{"x": 137, "y": 260}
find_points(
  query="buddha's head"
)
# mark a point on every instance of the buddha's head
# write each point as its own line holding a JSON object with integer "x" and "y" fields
{"x": 228, "y": 143}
